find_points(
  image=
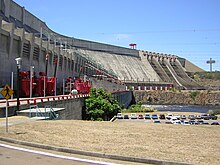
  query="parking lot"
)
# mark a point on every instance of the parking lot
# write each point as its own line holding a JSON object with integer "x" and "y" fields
{"x": 170, "y": 118}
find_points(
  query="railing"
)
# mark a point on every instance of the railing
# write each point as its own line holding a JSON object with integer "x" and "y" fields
{"x": 34, "y": 101}
{"x": 37, "y": 111}
{"x": 46, "y": 114}
{"x": 51, "y": 113}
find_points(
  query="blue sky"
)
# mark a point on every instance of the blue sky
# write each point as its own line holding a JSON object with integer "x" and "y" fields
{"x": 187, "y": 28}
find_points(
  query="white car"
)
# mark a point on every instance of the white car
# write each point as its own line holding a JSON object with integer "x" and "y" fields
{"x": 133, "y": 116}
{"x": 119, "y": 116}
{"x": 173, "y": 120}
{"x": 177, "y": 116}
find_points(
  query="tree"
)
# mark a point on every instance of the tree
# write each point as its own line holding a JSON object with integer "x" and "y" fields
{"x": 100, "y": 105}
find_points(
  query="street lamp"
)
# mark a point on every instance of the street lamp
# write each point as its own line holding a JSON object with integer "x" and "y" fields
{"x": 31, "y": 82}
{"x": 18, "y": 62}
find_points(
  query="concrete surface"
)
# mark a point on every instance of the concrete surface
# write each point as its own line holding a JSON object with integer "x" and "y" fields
{"x": 64, "y": 155}
{"x": 94, "y": 154}
{"x": 16, "y": 155}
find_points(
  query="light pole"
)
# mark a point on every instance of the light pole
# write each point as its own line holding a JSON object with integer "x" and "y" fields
{"x": 31, "y": 82}
{"x": 18, "y": 62}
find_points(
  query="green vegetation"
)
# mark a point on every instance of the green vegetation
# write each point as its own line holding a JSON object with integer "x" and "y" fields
{"x": 136, "y": 108}
{"x": 100, "y": 105}
{"x": 207, "y": 75}
{"x": 193, "y": 94}
{"x": 215, "y": 112}
{"x": 173, "y": 89}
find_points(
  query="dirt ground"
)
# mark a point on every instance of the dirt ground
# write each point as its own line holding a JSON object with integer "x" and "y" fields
{"x": 197, "y": 144}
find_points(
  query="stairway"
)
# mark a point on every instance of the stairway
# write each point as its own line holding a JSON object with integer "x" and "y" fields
{"x": 46, "y": 113}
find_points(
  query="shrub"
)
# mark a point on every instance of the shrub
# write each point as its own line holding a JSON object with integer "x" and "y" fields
{"x": 193, "y": 94}
{"x": 100, "y": 105}
{"x": 137, "y": 108}
{"x": 214, "y": 112}
{"x": 173, "y": 90}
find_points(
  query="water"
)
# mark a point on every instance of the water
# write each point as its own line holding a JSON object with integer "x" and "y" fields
{"x": 183, "y": 108}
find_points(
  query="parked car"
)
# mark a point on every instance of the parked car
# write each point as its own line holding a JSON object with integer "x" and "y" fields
{"x": 200, "y": 121}
{"x": 205, "y": 116}
{"x": 215, "y": 123}
{"x": 168, "y": 122}
{"x": 177, "y": 116}
{"x": 185, "y": 122}
{"x": 140, "y": 116}
{"x": 213, "y": 117}
{"x": 183, "y": 117}
{"x": 162, "y": 116}
{"x": 198, "y": 117}
{"x": 193, "y": 122}
{"x": 147, "y": 116}
{"x": 173, "y": 120}
{"x": 168, "y": 117}
{"x": 177, "y": 122}
{"x": 156, "y": 121}
{"x": 133, "y": 116}
{"x": 154, "y": 117}
{"x": 126, "y": 116}
{"x": 119, "y": 116}
{"x": 191, "y": 117}
{"x": 205, "y": 123}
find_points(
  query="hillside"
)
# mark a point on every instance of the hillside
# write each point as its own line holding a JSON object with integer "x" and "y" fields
{"x": 210, "y": 80}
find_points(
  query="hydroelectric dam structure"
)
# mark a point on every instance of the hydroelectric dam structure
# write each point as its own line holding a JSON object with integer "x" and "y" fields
{"x": 24, "y": 35}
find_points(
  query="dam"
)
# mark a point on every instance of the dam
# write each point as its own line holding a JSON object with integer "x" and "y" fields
{"x": 24, "y": 35}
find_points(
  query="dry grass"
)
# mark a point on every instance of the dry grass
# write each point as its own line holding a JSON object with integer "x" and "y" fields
{"x": 14, "y": 118}
{"x": 194, "y": 144}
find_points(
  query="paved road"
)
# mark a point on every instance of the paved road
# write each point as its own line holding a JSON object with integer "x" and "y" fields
{"x": 21, "y": 156}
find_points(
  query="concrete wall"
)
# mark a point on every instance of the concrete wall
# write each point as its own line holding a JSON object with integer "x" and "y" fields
{"x": 124, "y": 98}
{"x": 104, "y": 47}
{"x": 125, "y": 67}
{"x": 73, "y": 107}
{"x": 18, "y": 43}
{"x": 108, "y": 86}
{"x": 15, "y": 13}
